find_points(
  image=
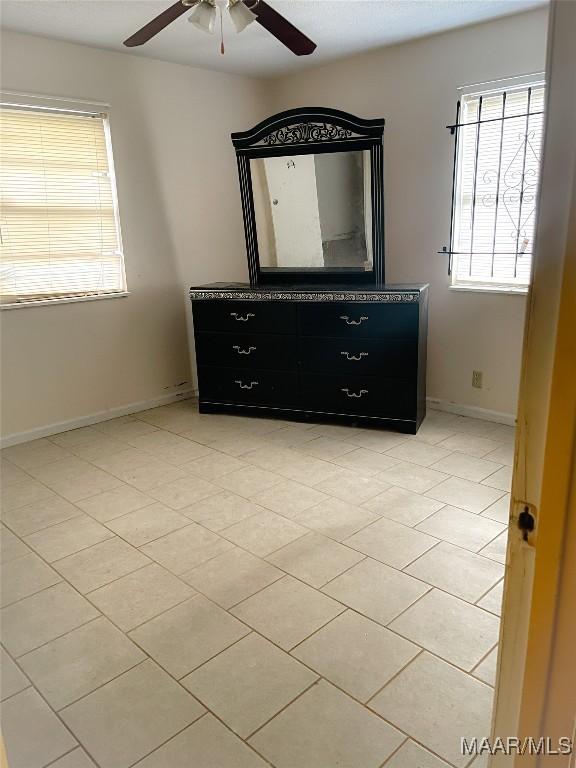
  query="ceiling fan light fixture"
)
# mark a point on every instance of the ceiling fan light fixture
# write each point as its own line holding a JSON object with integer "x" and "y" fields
{"x": 241, "y": 15}
{"x": 203, "y": 16}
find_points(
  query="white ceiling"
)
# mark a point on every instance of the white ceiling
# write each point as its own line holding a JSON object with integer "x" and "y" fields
{"x": 339, "y": 27}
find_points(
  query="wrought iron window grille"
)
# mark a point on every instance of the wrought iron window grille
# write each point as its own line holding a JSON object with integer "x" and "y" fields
{"x": 495, "y": 176}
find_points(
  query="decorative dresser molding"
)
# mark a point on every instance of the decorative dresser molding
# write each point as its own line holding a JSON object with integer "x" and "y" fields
{"x": 386, "y": 297}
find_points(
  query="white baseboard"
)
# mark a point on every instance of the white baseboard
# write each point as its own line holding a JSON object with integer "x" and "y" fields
{"x": 471, "y": 410}
{"x": 93, "y": 418}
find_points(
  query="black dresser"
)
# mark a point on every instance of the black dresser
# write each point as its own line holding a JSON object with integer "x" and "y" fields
{"x": 318, "y": 353}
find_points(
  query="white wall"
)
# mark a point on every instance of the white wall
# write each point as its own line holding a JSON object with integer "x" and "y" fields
{"x": 413, "y": 86}
{"x": 181, "y": 224}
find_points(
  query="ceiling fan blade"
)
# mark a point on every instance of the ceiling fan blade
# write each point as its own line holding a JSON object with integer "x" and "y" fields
{"x": 281, "y": 28}
{"x": 157, "y": 25}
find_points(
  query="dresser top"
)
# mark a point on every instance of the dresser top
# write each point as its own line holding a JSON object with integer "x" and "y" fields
{"x": 396, "y": 293}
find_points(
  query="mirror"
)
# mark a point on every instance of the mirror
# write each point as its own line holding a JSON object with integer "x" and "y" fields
{"x": 313, "y": 211}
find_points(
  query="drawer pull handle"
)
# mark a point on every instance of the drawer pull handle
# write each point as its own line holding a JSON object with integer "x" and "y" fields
{"x": 242, "y": 318}
{"x": 354, "y": 394}
{"x": 359, "y": 356}
{"x": 246, "y": 386}
{"x": 244, "y": 351}
{"x": 353, "y": 322}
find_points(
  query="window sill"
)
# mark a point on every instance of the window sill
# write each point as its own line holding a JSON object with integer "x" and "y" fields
{"x": 503, "y": 290}
{"x": 66, "y": 300}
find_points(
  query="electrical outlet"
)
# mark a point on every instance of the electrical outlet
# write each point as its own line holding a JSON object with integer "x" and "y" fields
{"x": 477, "y": 379}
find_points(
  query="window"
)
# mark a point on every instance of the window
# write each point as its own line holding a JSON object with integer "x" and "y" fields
{"x": 60, "y": 234}
{"x": 498, "y": 135}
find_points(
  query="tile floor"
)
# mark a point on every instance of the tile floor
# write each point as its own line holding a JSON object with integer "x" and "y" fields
{"x": 214, "y": 591}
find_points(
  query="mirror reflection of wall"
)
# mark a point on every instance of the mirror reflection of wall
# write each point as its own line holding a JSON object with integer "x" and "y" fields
{"x": 313, "y": 211}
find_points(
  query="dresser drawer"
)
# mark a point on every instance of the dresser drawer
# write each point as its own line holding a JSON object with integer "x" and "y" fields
{"x": 358, "y": 320}
{"x": 362, "y": 395}
{"x": 245, "y": 350}
{"x": 245, "y": 316}
{"x": 252, "y": 387}
{"x": 394, "y": 358}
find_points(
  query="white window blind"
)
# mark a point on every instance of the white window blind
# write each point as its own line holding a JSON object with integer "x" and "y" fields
{"x": 496, "y": 185}
{"x": 60, "y": 234}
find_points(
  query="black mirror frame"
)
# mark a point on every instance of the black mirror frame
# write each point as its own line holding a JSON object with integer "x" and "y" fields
{"x": 303, "y": 131}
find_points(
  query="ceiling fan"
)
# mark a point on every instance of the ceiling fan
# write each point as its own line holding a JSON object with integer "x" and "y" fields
{"x": 242, "y": 13}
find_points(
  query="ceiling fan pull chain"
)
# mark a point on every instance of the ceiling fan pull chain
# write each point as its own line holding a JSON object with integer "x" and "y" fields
{"x": 221, "y": 32}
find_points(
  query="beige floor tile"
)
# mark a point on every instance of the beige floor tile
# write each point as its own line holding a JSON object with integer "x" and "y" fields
{"x": 272, "y": 457}
{"x": 221, "y": 511}
{"x": 309, "y": 470}
{"x": 118, "y": 463}
{"x": 130, "y": 716}
{"x": 375, "y": 440}
{"x": 336, "y": 519}
{"x": 315, "y": 559}
{"x": 146, "y": 524}
{"x": 23, "y": 493}
{"x": 289, "y": 498}
{"x": 504, "y": 434}
{"x": 365, "y": 462}
{"x": 100, "y": 564}
{"x": 496, "y": 550}
{"x": 63, "y": 469}
{"x": 188, "y": 635}
{"x": 391, "y": 543}
{"x": 79, "y": 436}
{"x": 212, "y": 745}
{"x": 287, "y": 611}
{"x": 64, "y": 539}
{"x": 75, "y": 759}
{"x": 23, "y": 577}
{"x": 351, "y": 487}
{"x": 214, "y": 465}
{"x": 492, "y": 600}
{"x": 115, "y": 503}
{"x": 473, "y": 445}
{"x": 169, "y": 447}
{"x": 457, "y": 571}
{"x": 376, "y": 590}
{"x": 432, "y": 433}
{"x": 139, "y": 596}
{"x": 500, "y": 510}
{"x": 32, "y": 733}
{"x": 180, "y": 493}
{"x": 465, "y": 466}
{"x": 232, "y": 576}
{"x": 249, "y": 481}
{"x": 412, "y": 755}
{"x": 97, "y": 449}
{"x": 124, "y": 427}
{"x": 82, "y": 486}
{"x": 502, "y": 479}
{"x": 437, "y": 704}
{"x": 464, "y": 494}
{"x": 40, "y": 514}
{"x": 71, "y": 666}
{"x": 403, "y": 506}
{"x": 264, "y": 533}
{"x": 12, "y": 680}
{"x": 249, "y": 683}
{"x": 10, "y": 474}
{"x": 326, "y": 448}
{"x": 473, "y": 426}
{"x": 502, "y": 455}
{"x": 30, "y": 623}
{"x": 290, "y": 437}
{"x": 412, "y": 477}
{"x": 450, "y": 628}
{"x": 34, "y": 454}
{"x": 324, "y": 727}
{"x": 10, "y": 546}
{"x": 150, "y": 475}
{"x": 486, "y": 670}
{"x": 183, "y": 550}
{"x": 418, "y": 452}
{"x": 462, "y": 528}
{"x": 356, "y": 654}
{"x": 233, "y": 443}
